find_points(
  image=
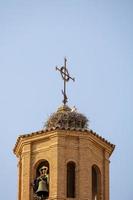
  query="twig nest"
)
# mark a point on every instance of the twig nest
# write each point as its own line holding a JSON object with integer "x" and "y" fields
{"x": 67, "y": 118}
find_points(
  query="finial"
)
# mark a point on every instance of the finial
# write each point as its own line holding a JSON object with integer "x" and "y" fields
{"x": 66, "y": 77}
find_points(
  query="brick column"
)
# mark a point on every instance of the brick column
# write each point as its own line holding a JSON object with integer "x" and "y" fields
{"x": 19, "y": 177}
{"x": 61, "y": 193}
{"x": 106, "y": 176}
{"x": 53, "y": 168}
{"x": 26, "y": 172}
{"x": 84, "y": 175}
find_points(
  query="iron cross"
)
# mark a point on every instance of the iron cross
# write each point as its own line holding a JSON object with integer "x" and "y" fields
{"x": 66, "y": 77}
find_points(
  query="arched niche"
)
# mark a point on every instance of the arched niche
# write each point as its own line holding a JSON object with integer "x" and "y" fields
{"x": 96, "y": 182}
{"x": 41, "y": 179}
{"x": 71, "y": 176}
{"x": 40, "y": 164}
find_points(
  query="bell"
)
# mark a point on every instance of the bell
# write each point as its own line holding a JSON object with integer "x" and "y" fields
{"x": 42, "y": 188}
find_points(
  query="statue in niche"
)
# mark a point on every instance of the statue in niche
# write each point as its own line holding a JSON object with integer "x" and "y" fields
{"x": 41, "y": 184}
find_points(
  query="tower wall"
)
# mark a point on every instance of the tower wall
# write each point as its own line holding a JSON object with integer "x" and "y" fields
{"x": 59, "y": 148}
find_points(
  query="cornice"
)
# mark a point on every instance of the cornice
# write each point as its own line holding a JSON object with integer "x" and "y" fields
{"x": 52, "y": 132}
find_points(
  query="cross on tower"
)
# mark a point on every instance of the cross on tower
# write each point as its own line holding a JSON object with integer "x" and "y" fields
{"x": 66, "y": 77}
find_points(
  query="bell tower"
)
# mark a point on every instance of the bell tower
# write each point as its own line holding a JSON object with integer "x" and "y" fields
{"x": 65, "y": 160}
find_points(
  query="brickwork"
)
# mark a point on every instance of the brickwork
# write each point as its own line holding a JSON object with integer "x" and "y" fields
{"x": 58, "y": 148}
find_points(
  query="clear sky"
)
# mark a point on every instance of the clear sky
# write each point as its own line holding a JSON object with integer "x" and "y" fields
{"x": 96, "y": 36}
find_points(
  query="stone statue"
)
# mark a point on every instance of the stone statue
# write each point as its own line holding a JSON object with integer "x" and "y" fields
{"x": 41, "y": 184}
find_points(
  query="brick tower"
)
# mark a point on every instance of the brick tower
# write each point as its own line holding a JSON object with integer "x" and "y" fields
{"x": 77, "y": 159}
{"x": 64, "y": 161}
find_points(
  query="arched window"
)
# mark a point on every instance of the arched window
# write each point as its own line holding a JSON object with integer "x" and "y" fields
{"x": 41, "y": 180}
{"x": 41, "y": 164}
{"x": 96, "y": 183}
{"x": 71, "y": 180}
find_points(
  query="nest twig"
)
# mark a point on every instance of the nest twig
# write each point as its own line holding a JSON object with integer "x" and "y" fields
{"x": 67, "y": 120}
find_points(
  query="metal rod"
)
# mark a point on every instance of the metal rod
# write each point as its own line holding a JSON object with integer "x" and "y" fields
{"x": 65, "y": 99}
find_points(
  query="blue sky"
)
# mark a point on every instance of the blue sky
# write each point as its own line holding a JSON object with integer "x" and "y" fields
{"x": 96, "y": 38}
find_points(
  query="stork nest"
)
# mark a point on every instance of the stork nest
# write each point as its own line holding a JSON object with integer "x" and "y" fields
{"x": 67, "y": 120}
